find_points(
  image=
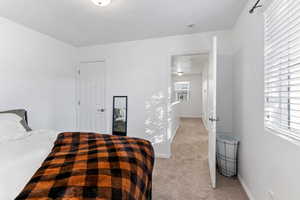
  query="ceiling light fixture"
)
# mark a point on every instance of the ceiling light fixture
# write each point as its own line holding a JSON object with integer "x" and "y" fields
{"x": 180, "y": 73}
{"x": 101, "y": 3}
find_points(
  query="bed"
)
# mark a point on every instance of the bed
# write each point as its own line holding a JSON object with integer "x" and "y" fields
{"x": 75, "y": 166}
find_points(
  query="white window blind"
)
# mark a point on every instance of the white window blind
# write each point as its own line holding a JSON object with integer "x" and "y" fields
{"x": 182, "y": 86}
{"x": 182, "y": 91}
{"x": 282, "y": 67}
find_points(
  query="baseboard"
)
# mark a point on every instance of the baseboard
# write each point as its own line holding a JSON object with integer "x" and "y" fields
{"x": 246, "y": 188}
{"x": 205, "y": 125}
{"x": 159, "y": 155}
{"x": 173, "y": 136}
{"x": 191, "y": 117}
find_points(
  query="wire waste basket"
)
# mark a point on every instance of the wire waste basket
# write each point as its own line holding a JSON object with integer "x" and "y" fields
{"x": 227, "y": 149}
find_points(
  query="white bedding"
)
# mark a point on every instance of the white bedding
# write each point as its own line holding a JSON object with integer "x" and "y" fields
{"x": 20, "y": 159}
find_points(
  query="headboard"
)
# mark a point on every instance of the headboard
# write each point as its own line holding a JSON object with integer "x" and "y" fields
{"x": 23, "y": 114}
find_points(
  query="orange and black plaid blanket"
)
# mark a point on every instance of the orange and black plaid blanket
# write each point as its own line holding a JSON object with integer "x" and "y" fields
{"x": 89, "y": 166}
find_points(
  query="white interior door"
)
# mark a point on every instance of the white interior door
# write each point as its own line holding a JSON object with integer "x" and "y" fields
{"x": 91, "y": 97}
{"x": 212, "y": 99}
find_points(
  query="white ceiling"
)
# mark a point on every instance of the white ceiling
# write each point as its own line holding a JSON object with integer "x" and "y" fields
{"x": 81, "y": 23}
{"x": 189, "y": 64}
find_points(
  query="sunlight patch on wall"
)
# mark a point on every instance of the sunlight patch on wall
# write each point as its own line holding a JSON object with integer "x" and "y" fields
{"x": 156, "y": 118}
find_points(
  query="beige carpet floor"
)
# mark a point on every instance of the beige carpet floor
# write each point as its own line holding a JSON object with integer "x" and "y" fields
{"x": 185, "y": 176}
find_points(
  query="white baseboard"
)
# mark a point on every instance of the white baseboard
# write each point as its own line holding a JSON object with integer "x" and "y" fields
{"x": 173, "y": 136}
{"x": 167, "y": 156}
{"x": 246, "y": 188}
{"x": 205, "y": 125}
{"x": 192, "y": 117}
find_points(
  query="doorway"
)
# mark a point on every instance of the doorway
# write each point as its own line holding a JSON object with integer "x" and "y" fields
{"x": 91, "y": 110}
{"x": 180, "y": 95}
{"x": 187, "y": 86}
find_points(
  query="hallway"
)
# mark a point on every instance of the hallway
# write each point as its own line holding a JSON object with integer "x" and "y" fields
{"x": 186, "y": 175}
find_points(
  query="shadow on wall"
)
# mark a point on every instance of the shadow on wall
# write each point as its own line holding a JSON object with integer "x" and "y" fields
{"x": 156, "y": 118}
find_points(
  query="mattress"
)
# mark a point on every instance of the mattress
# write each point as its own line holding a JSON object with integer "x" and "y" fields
{"x": 21, "y": 158}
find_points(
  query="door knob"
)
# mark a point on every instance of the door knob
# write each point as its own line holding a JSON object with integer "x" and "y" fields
{"x": 212, "y": 119}
{"x": 101, "y": 110}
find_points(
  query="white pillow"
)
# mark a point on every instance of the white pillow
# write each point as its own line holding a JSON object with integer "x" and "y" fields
{"x": 10, "y": 116}
{"x": 11, "y": 128}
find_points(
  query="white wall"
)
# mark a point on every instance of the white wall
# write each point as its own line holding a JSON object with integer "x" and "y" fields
{"x": 39, "y": 76}
{"x": 193, "y": 108}
{"x": 224, "y": 94}
{"x": 141, "y": 70}
{"x": 37, "y": 73}
{"x": 266, "y": 162}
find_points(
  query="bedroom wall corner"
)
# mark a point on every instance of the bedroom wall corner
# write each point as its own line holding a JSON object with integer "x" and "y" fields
{"x": 39, "y": 76}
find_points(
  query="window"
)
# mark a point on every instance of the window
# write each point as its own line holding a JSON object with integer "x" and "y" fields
{"x": 282, "y": 68}
{"x": 182, "y": 91}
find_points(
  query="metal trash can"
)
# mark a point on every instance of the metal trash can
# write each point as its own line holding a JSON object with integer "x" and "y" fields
{"x": 227, "y": 149}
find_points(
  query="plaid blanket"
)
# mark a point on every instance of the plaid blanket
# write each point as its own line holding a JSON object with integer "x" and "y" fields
{"x": 90, "y": 166}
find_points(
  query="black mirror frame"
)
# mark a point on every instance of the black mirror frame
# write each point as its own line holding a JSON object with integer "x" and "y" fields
{"x": 113, "y": 117}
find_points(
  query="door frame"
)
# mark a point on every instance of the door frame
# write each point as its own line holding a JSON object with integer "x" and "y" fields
{"x": 77, "y": 81}
{"x": 169, "y": 82}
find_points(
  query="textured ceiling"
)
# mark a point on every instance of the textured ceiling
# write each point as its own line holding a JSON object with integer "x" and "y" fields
{"x": 81, "y": 23}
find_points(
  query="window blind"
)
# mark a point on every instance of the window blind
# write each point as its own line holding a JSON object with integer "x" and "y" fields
{"x": 282, "y": 67}
{"x": 182, "y": 86}
{"x": 182, "y": 91}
